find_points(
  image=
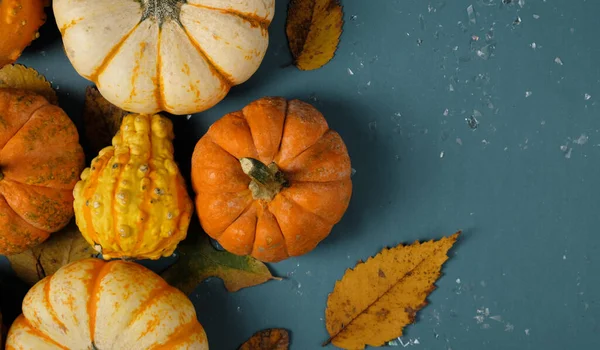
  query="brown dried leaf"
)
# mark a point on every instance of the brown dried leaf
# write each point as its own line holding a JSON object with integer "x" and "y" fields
{"x": 198, "y": 261}
{"x": 394, "y": 286}
{"x": 18, "y": 76}
{"x": 313, "y": 30}
{"x": 61, "y": 248}
{"x": 268, "y": 339}
{"x": 102, "y": 119}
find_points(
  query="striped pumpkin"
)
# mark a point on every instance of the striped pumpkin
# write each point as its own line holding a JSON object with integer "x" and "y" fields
{"x": 118, "y": 305}
{"x": 179, "y": 56}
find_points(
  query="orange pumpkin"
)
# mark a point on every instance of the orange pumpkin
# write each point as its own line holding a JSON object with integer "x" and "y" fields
{"x": 271, "y": 180}
{"x": 40, "y": 162}
{"x": 19, "y": 24}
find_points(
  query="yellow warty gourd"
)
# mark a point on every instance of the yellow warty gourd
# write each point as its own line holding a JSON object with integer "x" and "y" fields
{"x": 132, "y": 202}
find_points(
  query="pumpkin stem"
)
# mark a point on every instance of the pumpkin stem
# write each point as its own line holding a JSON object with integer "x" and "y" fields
{"x": 267, "y": 180}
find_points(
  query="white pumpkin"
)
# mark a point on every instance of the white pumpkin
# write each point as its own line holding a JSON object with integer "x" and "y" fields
{"x": 92, "y": 304}
{"x": 179, "y": 56}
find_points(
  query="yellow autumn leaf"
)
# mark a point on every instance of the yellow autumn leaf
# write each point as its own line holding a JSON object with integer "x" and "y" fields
{"x": 17, "y": 76}
{"x": 373, "y": 302}
{"x": 313, "y": 30}
{"x": 268, "y": 339}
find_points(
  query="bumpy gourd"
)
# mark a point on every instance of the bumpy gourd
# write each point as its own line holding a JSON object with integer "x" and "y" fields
{"x": 96, "y": 305}
{"x": 19, "y": 24}
{"x": 271, "y": 180}
{"x": 132, "y": 202}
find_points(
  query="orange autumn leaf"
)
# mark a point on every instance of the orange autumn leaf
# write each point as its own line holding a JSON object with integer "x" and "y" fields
{"x": 17, "y": 76}
{"x": 373, "y": 302}
{"x": 313, "y": 30}
{"x": 268, "y": 339}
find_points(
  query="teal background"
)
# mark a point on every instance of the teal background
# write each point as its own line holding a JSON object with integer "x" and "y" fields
{"x": 523, "y": 185}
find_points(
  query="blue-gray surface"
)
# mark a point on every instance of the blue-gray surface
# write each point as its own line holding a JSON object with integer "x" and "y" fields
{"x": 401, "y": 90}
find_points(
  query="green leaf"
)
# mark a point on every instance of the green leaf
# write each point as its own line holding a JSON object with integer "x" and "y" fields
{"x": 198, "y": 260}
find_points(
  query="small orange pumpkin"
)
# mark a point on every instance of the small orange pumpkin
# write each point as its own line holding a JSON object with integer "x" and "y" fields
{"x": 40, "y": 162}
{"x": 271, "y": 180}
{"x": 19, "y": 24}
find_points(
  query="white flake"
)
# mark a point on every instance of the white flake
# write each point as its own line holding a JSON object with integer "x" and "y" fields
{"x": 528, "y": 93}
{"x": 587, "y": 96}
{"x": 350, "y": 71}
{"x": 558, "y": 61}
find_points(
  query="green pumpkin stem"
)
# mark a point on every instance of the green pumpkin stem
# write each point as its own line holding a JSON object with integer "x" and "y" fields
{"x": 267, "y": 180}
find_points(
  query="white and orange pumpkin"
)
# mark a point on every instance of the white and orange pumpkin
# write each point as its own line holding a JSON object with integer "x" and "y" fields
{"x": 179, "y": 56}
{"x": 117, "y": 305}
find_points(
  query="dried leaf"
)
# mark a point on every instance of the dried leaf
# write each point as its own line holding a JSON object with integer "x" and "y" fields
{"x": 198, "y": 261}
{"x": 313, "y": 30}
{"x": 268, "y": 339}
{"x": 102, "y": 119}
{"x": 61, "y": 248}
{"x": 20, "y": 77}
{"x": 394, "y": 285}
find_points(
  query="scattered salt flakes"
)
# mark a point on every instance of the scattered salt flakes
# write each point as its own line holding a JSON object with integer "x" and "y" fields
{"x": 564, "y": 148}
{"x": 564, "y": 257}
{"x": 353, "y": 171}
{"x": 474, "y": 37}
{"x": 533, "y": 45}
{"x": 350, "y": 71}
{"x": 517, "y": 21}
{"x": 459, "y": 141}
{"x": 508, "y": 327}
{"x": 581, "y": 140}
{"x": 485, "y": 142}
{"x": 450, "y": 87}
{"x": 528, "y": 93}
{"x": 568, "y": 156}
{"x": 471, "y": 14}
{"x": 458, "y": 280}
{"x": 527, "y": 331}
{"x": 416, "y": 341}
{"x": 188, "y": 117}
{"x": 442, "y": 156}
{"x": 587, "y": 96}
{"x": 485, "y": 326}
{"x": 536, "y": 16}
{"x": 472, "y": 122}
{"x": 445, "y": 114}
{"x": 521, "y": 3}
{"x": 487, "y": 312}
{"x": 496, "y": 318}
{"x": 558, "y": 61}
{"x": 479, "y": 319}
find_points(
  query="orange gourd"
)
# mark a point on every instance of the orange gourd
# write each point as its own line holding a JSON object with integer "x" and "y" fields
{"x": 19, "y": 24}
{"x": 119, "y": 305}
{"x": 40, "y": 162}
{"x": 271, "y": 180}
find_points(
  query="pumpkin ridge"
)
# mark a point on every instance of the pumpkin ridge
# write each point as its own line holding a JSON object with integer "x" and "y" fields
{"x": 153, "y": 297}
{"x": 94, "y": 290}
{"x": 254, "y": 20}
{"x": 49, "y": 306}
{"x": 115, "y": 188}
{"x": 250, "y": 203}
{"x": 290, "y": 160}
{"x": 326, "y": 219}
{"x": 228, "y": 81}
{"x": 145, "y": 198}
{"x": 285, "y": 242}
{"x": 37, "y": 332}
{"x": 179, "y": 335}
{"x": 111, "y": 54}
{"x": 158, "y": 92}
{"x": 28, "y": 119}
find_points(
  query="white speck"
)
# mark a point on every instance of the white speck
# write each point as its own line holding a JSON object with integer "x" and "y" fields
{"x": 369, "y": 83}
{"x": 485, "y": 142}
{"x": 564, "y": 257}
{"x": 521, "y": 3}
{"x": 563, "y": 148}
{"x": 496, "y": 318}
{"x": 188, "y": 117}
{"x": 442, "y": 154}
{"x": 587, "y": 96}
{"x": 450, "y": 87}
{"x": 568, "y": 155}
{"x": 527, "y": 331}
{"x": 485, "y": 326}
{"x": 543, "y": 122}
{"x": 572, "y": 30}
{"x": 558, "y": 61}
{"x": 57, "y": 87}
{"x": 455, "y": 48}
{"x": 458, "y": 280}
{"x": 308, "y": 273}
{"x": 348, "y": 257}
{"x": 459, "y": 141}
{"x": 299, "y": 285}
{"x": 582, "y": 140}
{"x": 482, "y": 283}
{"x": 536, "y": 16}
{"x": 528, "y": 93}
{"x": 509, "y": 327}
{"x": 416, "y": 341}
{"x": 350, "y": 71}
{"x": 471, "y": 14}
{"x": 353, "y": 17}
{"x": 445, "y": 114}
{"x": 505, "y": 149}
{"x": 239, "y": 309}
{"x": 480, "y": 53}
{"x": 533, "y": 45}
{"x": 352, "y": 172}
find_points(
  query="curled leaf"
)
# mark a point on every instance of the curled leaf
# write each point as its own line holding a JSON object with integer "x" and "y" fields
{"x": 18, "y": 76}
{"x": 394, "y": 286}
{"x": 313, "y": 30}
{"x": 198, "y": 261}
{"x": 102, "y": 119}
{"x": 61, "y": 248}
{"x": 268, "y": 339}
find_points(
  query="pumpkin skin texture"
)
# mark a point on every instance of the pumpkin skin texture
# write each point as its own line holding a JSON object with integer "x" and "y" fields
{"x": 40, "y": 162}
{"x": 19, "y": 24}
{"x": 116, "y": 305}
{"x": 309, "y": 188}
{"x": 179, "y": 56}
{"x": 133, "y": 202}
